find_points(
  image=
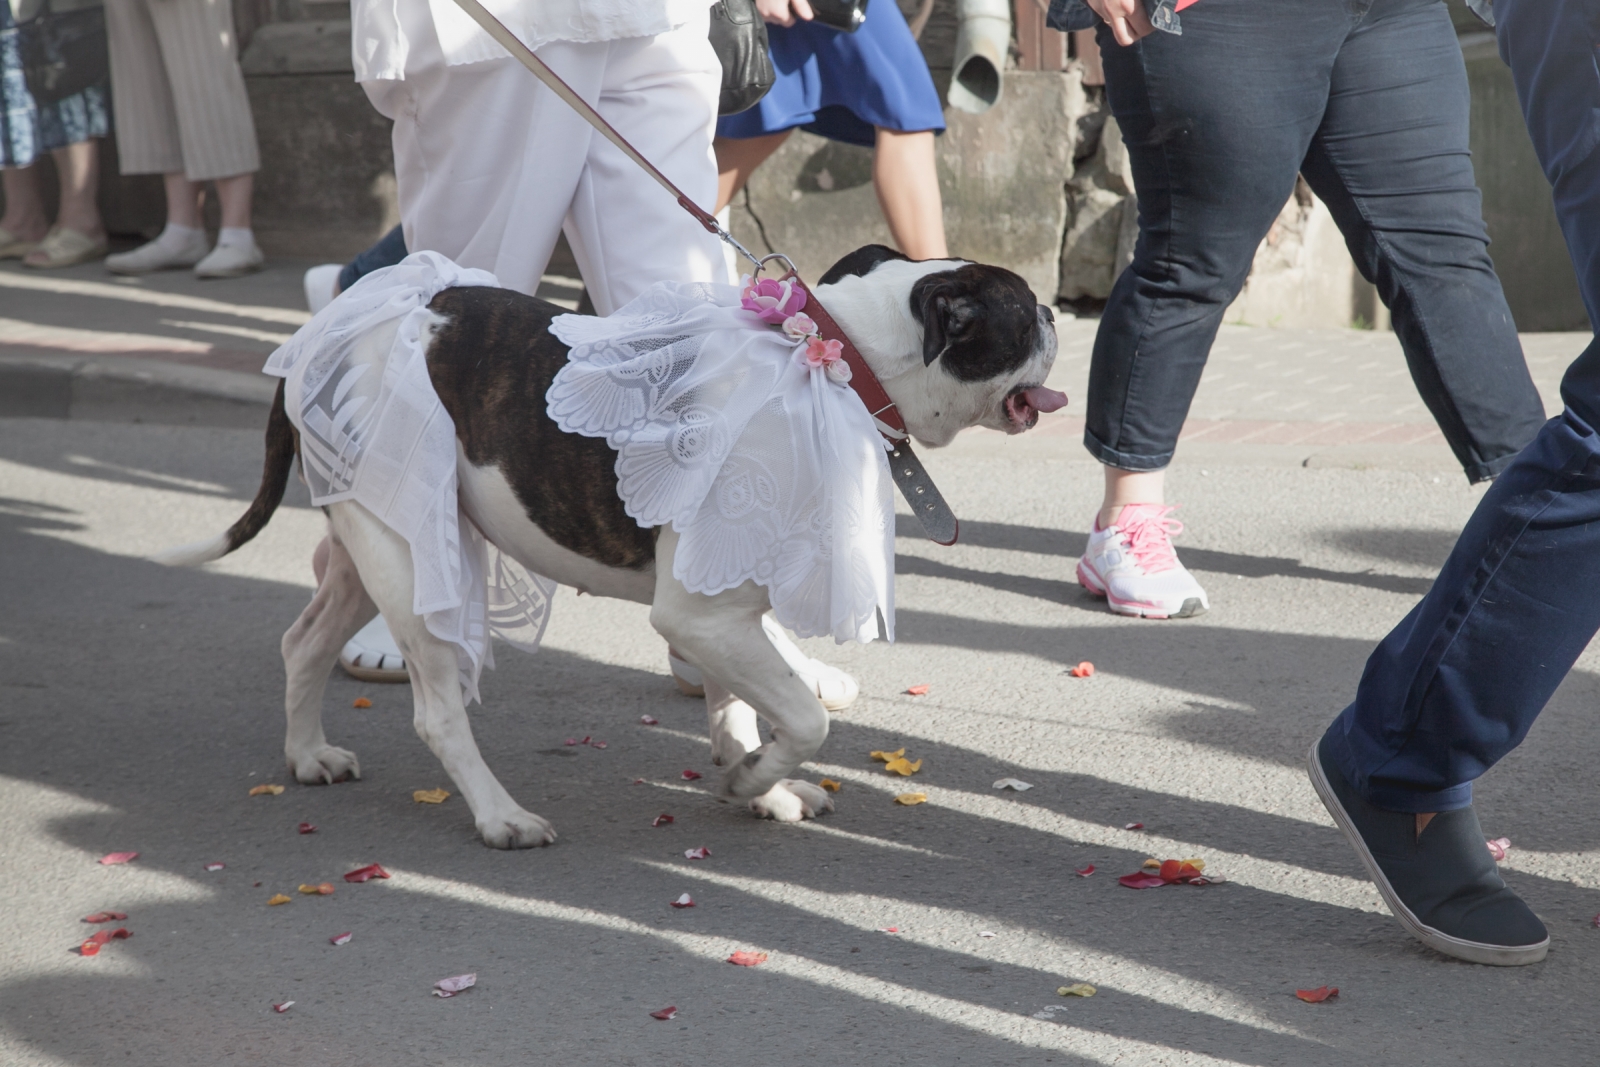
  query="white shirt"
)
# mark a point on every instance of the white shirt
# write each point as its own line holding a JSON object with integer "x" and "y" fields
{"x": 384, "y": 32}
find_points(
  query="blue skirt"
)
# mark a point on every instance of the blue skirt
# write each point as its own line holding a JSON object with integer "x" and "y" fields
{"x": 841, "y": 85}
{"x": 27, "y": 130}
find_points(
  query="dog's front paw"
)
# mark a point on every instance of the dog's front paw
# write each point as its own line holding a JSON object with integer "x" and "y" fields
{"x": 792, "y": 800}
{"x": 324, "y": 765}
{"x": 520, "y": 829}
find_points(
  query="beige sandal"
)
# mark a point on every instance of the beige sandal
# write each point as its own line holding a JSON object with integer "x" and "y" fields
{"x": 14, "y": 247}
{"x": 66, "y": 248}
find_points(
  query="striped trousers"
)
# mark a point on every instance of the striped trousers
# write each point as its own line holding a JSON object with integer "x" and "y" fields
{"x": 176, "y": 89}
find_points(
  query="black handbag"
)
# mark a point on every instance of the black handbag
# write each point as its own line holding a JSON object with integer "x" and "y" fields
{"x": 845, "y": 16}
{"x": 740, "y": 38}
{"x": 63, "y": 52}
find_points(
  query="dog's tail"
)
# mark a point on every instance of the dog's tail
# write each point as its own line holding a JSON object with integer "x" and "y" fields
{"x": 281, "y": 447}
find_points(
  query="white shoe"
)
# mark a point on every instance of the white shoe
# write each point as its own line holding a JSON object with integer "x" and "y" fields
{"x": 230, "y": 261}
{"x": 372, "y": 655}
{"x": 836, "y": 689}
{"x": 1134, "y": 566}
{"x": 322, "y": 285}
{"x": 164, "y": 253}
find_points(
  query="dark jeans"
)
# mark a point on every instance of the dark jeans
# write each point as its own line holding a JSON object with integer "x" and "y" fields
{"x": 1459, "y": 682}
{"x": 390, "y": 249}
{"x": 1368, "y": 99}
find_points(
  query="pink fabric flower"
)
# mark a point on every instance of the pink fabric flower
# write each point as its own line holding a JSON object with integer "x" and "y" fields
{"x": 773, "y": 300}
{"x": 820, "y": 353}
{"x": 799, "y": 326}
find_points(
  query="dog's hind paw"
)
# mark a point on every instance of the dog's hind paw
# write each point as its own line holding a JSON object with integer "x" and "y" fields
{"x": 792, "y": 800}
{"x": 521, "y": 829}
{"x": 324, "y": 765}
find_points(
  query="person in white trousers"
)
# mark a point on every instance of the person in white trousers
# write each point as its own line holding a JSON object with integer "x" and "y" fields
{"x": 492, "y": 167}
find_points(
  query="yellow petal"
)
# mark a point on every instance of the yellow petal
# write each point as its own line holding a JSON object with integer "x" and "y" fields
{"x": 1076, "y": 989}
{"x": 279, "y": 899}
{"x": 431, "y": 796}
{"x": 361, "y": 702}
{"x": 265, "y": 790}
{"x": 1151, "y": 862}
{"x": 1198, "y": 865}
{"x": 885, "y": 757}
{"x": 830, "y": 785}
{"x": 309, "y": 890}
{"x": 909, "y": 799}
{"x": 903, "y": 767}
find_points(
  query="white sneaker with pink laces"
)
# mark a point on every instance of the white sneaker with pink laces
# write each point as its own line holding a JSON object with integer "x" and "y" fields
{"x": 1133, "y": 565}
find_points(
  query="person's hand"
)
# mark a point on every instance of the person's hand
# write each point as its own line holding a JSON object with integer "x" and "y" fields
{"x": 784, "y": 12}
{"x": 1127, "y": 18}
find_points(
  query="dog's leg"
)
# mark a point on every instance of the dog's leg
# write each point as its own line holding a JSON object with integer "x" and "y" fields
{"x": 732, "y": 724}
{"x": 384, "y": 560}
{"x": 722, "y": 635}
{"x": 310, "y": 648}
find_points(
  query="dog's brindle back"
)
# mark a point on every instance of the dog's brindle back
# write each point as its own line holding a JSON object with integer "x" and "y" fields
{"x": 492, "y": 361}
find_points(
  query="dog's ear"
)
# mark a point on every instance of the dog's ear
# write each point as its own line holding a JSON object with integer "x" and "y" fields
{"x": 948, "y": 315}
{"x": 861, "y": 262}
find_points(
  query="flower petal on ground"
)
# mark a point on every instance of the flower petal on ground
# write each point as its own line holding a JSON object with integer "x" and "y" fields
{"x": 665, "y": 1014}
{"x": 698, "y": 853}
{"x": 1141, "y": 880}
{"x": 830, "y": 785}
{"x": 1134, "y": 826}
{"x": 215, "y": 866}
{"x": 684, "y": 901}
{"x": 1499, "y": 847}
{"x": 1317, "y": 995}
{"x": 1083, "y": 670}
{"x": 278, "y": 898}
{"x": 111, "y": 859}
{"x": 650, "y": 720}
{"x": 903, "y": 767}
{"x": 104, "y": 917}
{"x": 909, "y": 799}
{"x": 265, "y": 789}
{"x": 917, "y": 690}
{"x": 367, "y": 873}
{"x": 1084, "y": 872}
{"x": 885, "y": 757}
{"x": 430, "y": 796}
{"x": 340, "y": 939}
{"x": 690, "y": 776}
{"x": 661, "y": 820}
{"x": 361, "y": 702}
{"x": 1076, "y": 989}
{"x": 1014, "y": 784}
{"x": 307, "y": 828}
{"x": 449, "y": 987}
{"x": 281, "y": 1008}
{"x": 747, "y": 959}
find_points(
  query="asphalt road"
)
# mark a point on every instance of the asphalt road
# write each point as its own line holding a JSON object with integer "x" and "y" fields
{"x": 139, "y": 705}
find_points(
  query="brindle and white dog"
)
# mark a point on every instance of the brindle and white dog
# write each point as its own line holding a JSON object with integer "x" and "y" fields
{"x": 956, "y": 344}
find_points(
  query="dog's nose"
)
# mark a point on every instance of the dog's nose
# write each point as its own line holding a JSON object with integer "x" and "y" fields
{"x": 1049, "y": 316}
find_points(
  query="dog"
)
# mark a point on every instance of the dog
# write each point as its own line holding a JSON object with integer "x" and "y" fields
{"x": 955, "y": 344}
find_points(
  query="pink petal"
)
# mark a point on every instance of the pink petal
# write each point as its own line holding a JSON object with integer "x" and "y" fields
{"x": 1134, "y": 826}
{"x": 281, "y": 1008}
{"x": 340, "y": 939}
{"x": 1498, "y": 848}
{"x": 918, "y": 690}
{"x": 665, "y": 1014}
{"x": 661, "y": 820}
{"x": 367, "y": 873}
{"x": 699, "y": 853}
{"x": 1084, "y": 872}
{"x": 649, "y": 720}
{"x": 1141, "y": 880}
{"x": 215, "y": 866}
{"x": 685, "y": 901}
{"x": 111, "y": 859}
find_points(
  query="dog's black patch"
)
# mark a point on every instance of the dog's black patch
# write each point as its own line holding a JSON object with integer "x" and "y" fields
{"x": 491, "y": 364}
{"x": 861, "y": 261}
{"x": 980, "y": 322}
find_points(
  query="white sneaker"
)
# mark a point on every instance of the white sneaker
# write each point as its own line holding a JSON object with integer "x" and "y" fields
{"x": 322, "y": 285}
{"x": 1133, "y": 565}
{"x": 836, "y": 689}
{"x": 230, "y": 261}
{"x": 164, "y": 253}
{"x": 372, "y": 655}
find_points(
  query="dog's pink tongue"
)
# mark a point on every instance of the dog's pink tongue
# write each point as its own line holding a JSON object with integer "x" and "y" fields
{"x": 1045, "y": 400}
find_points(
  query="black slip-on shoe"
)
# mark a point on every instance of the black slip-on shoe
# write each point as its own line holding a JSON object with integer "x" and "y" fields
{"x": 1444, "y": 886}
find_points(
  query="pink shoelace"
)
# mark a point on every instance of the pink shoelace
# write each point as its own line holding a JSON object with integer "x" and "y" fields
{"x": 1149, "y": 533}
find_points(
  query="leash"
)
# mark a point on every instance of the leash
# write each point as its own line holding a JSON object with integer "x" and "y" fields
{"x": 927, "y": 503}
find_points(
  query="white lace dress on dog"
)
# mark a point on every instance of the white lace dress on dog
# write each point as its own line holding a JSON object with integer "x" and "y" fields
{"x": 770, "y": 471}
{"x": 373, "y": 430}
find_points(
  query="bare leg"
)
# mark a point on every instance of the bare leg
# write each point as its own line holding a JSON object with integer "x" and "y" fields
{"x": 235, "y": 195}
{"x": 907, "y": 181}
{"x": 1130, "y": 487}
{"x": 24, "y": 217}
{"x": 722, "y": 635}
{"x": 738, "y": 158}
{"x": 384, "y": 560}
{"x": 78, "y": 166}
{"x": 184, "y": 198}
{"x": 338, "y": 609}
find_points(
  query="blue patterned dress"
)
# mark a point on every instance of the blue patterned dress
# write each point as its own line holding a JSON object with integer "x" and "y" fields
{"x": 28, "y": 131}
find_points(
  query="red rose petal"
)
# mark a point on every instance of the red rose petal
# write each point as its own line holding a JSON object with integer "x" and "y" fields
{"x": 664, "y": 1014}
{"x": 661, "y": 820}
{"x": 104, "y": 917}
{"x": 747, "y": 959}
{"x": 918, "y": 690}
{"x": 690, "y": 776}
{"x": 281, "y": 1008}
{"x": 218, "y": 867}
{"x": 1084, "y": 872}
{"x": 650, "y": 720}
{"x": 340, "y": 939}
{"x": 367, "y": 873}
{"x": 1134, "y": 826}
{"x": 1141, "y": 880}
{"x": 89, "y": 948}
{"x": 685, "y": 901}
{"x": 699, "y": 853}
{"x": 1317, "y": 995}
{"x": 307, "y": 828}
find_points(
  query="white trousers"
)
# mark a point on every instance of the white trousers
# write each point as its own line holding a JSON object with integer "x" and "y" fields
{"x": 492, "y": 166}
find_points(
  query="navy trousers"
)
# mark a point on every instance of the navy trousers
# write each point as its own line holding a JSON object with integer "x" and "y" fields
{"x": 1368, "y": 99}
{"x": 1459, "y": 682}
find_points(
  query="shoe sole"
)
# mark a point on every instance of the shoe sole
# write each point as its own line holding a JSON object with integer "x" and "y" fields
{"x": 375, "y": 674}
{"x": 1460, "y": 948}
{"x": 1188, "y": 609}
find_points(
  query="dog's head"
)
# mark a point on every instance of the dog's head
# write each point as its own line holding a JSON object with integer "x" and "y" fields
{"x": 956, "y": 344}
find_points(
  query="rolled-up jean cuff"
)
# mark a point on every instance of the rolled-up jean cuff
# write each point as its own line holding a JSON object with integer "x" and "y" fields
{"x": 1125, "y": 461}
{"x": 1483, "y": 472}
{"x": 1392, "y": 798}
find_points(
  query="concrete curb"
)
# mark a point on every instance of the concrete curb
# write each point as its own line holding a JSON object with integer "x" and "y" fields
{"x": 126, "y": 389}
